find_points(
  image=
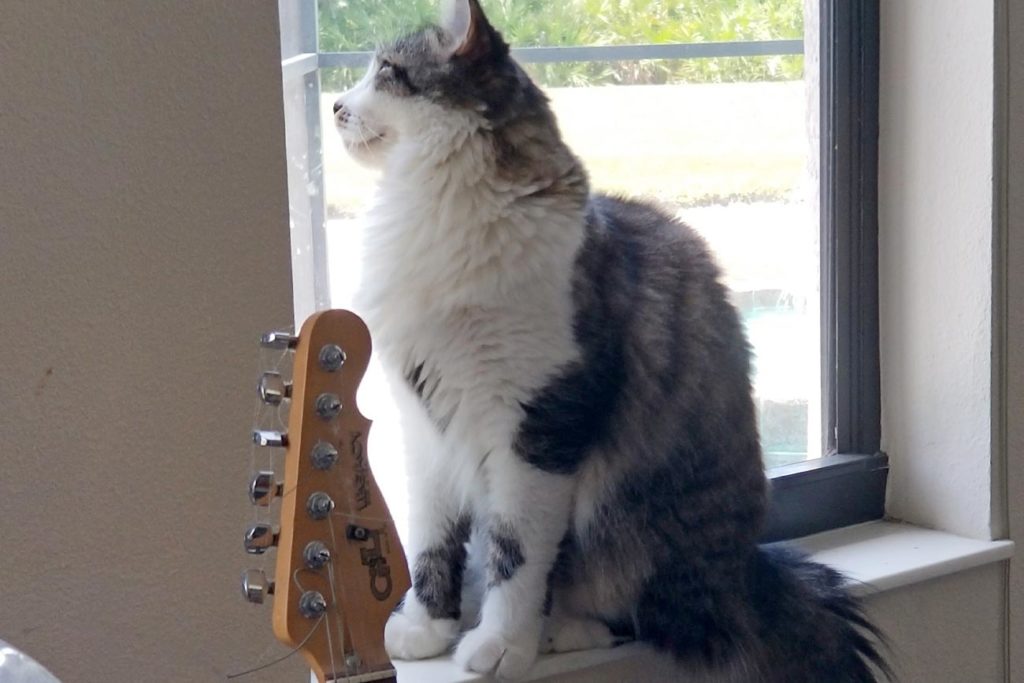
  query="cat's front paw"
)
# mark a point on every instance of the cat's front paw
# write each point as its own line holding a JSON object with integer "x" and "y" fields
{"x": 566, "y": 634}
{"x": 487, "y": 651}
{"x": 408, "y": 638}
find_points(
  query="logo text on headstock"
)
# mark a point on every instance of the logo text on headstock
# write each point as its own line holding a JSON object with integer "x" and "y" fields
{"x": 361, "y": 471}
{"x": 373, "y": 559}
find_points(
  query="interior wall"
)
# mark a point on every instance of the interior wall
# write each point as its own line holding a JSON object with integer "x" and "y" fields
{"x": 143, "y": 247}
{"x": 1013, "y": 411}
{"x": 947, "y": 630}
{"x": 935, "y": 260}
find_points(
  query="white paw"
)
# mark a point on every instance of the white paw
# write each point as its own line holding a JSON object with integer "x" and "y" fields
{"x": 408, "y": 638}
{"x": 565, "y": 634}
{"x": 485, "y": 651}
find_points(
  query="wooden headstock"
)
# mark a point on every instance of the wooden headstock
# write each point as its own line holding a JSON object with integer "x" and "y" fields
{"x": 340, "y": 568}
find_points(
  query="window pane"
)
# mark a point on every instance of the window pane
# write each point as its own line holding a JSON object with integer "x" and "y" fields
{"x": 725, "y": 143}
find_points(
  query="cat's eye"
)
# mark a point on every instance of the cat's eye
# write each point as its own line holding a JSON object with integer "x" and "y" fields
{"x": 386, "y": 66}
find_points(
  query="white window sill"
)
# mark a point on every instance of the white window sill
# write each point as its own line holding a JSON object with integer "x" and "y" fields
{"x": 877, "y": 556}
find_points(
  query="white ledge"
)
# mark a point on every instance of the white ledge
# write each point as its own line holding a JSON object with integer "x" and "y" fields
{"x": 876, "y": 556}
{"x": 880, "y": 556}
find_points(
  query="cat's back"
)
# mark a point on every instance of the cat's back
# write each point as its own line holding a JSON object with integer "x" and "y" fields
{"x": 651, "y": 280}
{"x": 651, "y": 243}
{"x": 656, "y": 325}
{"x": 664, "y": 361}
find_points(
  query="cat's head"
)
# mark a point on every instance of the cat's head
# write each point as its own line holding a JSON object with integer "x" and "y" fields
{"x": 435, "y": 86}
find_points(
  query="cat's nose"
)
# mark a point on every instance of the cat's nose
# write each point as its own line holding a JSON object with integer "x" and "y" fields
{"x": 338, "y": 106}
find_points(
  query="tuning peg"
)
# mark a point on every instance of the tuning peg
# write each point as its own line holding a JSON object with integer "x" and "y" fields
{"x": 316, "y": 554}
{"x": 328, "y": 406}
{"x": 263, "y": 488}
{"x": 323, "y": 455}
{"x": 273, "y": 390}
{"x": 319, "y": 505}
{"x": 331, "y": 357}
{"x": 269, "y": 437}
{"x": 279, "y": 340}
{"x": 312, "y": 604}
{"x": 255, "y": 586}
{"x": 258, "y": 538}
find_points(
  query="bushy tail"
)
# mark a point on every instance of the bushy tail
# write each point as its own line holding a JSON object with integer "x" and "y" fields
{"x": 788, "y": 620}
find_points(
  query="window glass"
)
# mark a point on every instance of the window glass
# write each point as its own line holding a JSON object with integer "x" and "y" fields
{"x": 726, "y": 143}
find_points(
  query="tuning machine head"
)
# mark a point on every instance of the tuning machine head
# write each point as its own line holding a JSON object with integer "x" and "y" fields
{"x": 272, "y": 388}
{"x": 328, "y": 406}
{"x": 312, "y": 604}
{"x": 258, "y": 538}
{"x": 331, "y": 357}
{"x": 263, "y": 488}
{"x": 279, "y": 340}
{"x": 319, "y": 505}
{"x": 269, "y": 438}
{"x": 316, "y": 554}
{"x": 323, "y": 455}
{"x": 255, "y": 586}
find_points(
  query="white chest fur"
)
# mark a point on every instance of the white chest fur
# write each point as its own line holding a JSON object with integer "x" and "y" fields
{"x": 469, "y": 280}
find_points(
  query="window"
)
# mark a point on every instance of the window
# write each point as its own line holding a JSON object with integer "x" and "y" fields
{"x": 713, "y": 108}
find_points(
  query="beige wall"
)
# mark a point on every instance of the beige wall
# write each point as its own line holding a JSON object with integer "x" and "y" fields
{"x": 143, "y": 246}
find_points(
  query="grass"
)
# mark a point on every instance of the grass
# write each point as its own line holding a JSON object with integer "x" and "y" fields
{"x": 347, "y": 25}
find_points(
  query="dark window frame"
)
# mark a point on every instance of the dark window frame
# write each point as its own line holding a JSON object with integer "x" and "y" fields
{"x": 845, "y": 486}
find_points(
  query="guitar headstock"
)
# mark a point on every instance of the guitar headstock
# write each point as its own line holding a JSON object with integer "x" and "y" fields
{"x": 340, "y": 569}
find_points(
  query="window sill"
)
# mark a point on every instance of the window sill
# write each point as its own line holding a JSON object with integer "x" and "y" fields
{"x": 877, "y": 556}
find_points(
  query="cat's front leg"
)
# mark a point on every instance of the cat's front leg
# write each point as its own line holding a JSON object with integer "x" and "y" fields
{"x": 527, "y": 515}
{"x": 427, "y": 622}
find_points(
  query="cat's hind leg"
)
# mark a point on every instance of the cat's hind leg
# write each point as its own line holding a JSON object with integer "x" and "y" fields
{"x": 564, "y": 633}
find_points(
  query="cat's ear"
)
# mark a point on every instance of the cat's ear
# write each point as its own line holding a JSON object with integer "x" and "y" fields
{"x": 471, "y": 35}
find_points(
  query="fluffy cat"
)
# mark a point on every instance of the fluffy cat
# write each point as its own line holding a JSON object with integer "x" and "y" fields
{"x": 575, "y": 392}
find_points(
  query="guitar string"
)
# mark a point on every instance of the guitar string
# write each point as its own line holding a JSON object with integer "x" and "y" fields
{"x": 355, "y": 517}
{"x": 334, "y": 595}
{"x": 280, "y": 659}
{"x": 330, "y": 641}
{"x": 324, "y": 616}
{"x": 352, "y": 516}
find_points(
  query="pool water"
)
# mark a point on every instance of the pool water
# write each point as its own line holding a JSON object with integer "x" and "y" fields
{"x": 785, "y": 377}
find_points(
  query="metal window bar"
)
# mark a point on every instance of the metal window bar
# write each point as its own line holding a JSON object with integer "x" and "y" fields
{"x": 301, "y": 89}
{"x": 613, "y": 53}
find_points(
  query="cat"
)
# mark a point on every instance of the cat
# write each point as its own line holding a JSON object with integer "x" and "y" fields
{"x": 575, "y": 393}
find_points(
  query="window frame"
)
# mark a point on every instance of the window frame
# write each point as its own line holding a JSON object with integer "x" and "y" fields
{"x": 847, "y": 484}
